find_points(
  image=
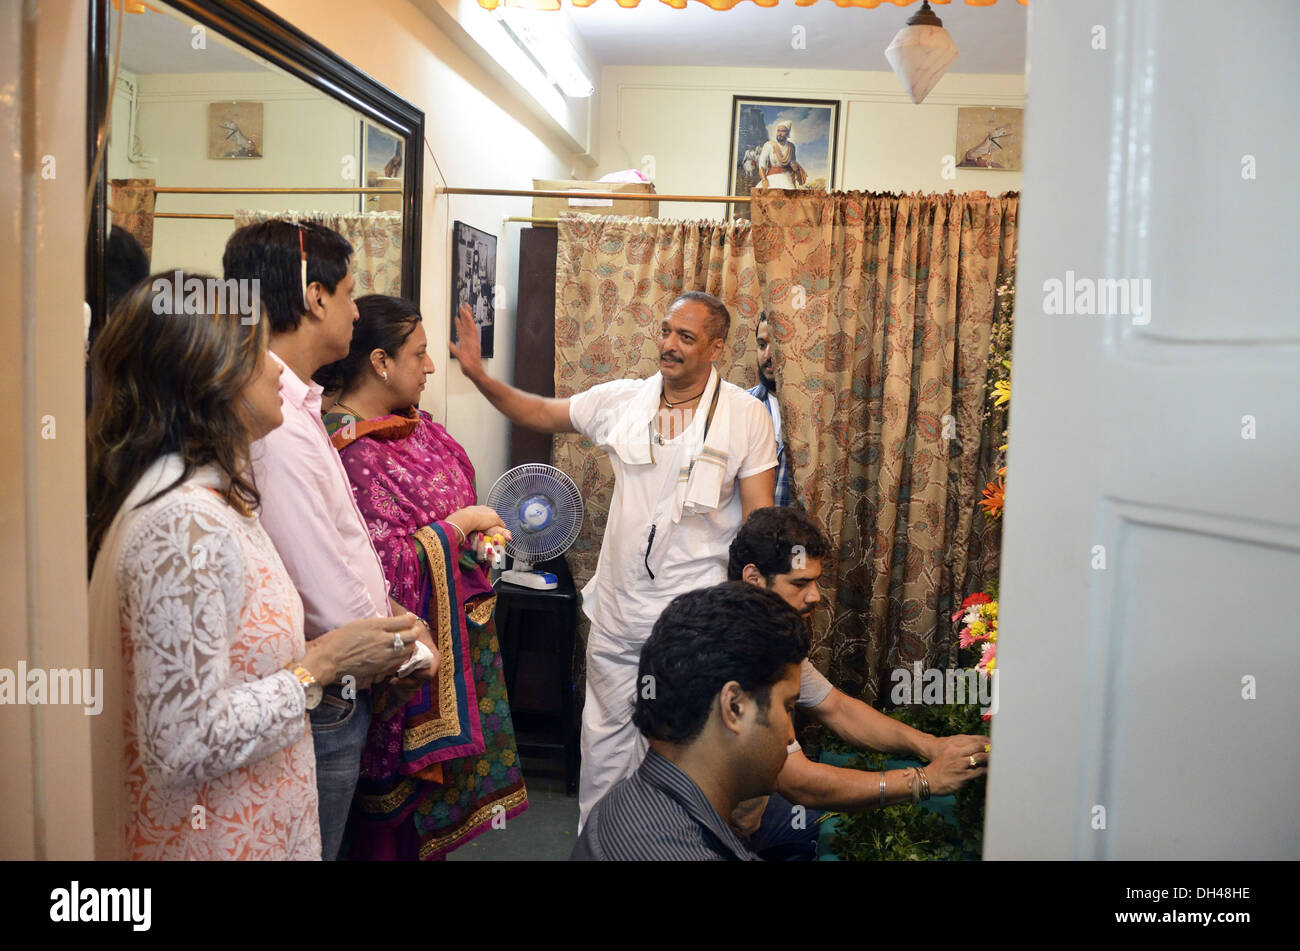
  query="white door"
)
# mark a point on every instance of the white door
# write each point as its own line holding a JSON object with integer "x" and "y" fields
{"x": 1162, "y": 145}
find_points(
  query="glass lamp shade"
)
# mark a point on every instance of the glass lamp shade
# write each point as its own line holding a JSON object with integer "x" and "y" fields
{"x": 920, "y": 55}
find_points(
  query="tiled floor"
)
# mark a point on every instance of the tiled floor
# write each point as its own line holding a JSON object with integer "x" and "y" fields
{"x": 545, "y": 832}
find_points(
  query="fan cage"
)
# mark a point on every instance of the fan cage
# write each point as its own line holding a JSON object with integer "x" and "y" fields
{"x": 523, "y": 482}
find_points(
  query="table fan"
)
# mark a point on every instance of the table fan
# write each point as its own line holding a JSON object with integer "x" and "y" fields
{"x": 542, "y": 507}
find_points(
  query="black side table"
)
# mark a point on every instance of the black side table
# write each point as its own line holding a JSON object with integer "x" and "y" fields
{"x": 536, "y": 630}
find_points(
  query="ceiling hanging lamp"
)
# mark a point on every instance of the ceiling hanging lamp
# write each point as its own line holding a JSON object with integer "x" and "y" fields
{"x": 921, "y": 53}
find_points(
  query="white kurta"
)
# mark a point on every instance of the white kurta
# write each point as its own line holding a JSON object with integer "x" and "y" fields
{"x": 767, "y": 159}
{"x": 621, "y": 599}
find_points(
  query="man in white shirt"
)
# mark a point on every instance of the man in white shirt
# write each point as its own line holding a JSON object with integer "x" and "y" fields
{"x": 308, "y": 509}
{"x": 692, "y": 455}
{"x": 776, "y": 162}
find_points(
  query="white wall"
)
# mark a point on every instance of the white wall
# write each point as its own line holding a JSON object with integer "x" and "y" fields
{"x": 682, "y": 117}
{"x": 46, "y": 801}
{"x": 306, "y": 136}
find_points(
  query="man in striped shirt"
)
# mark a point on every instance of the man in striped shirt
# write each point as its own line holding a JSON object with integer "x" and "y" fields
{"x": 716, "y": 686}
{"x": 765, "y": 393}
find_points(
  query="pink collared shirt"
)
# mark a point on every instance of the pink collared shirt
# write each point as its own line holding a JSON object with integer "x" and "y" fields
{"x": 309, "y": 511}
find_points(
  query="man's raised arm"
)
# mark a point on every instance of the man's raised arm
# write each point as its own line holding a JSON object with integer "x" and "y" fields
{"x": 543, "y": 414}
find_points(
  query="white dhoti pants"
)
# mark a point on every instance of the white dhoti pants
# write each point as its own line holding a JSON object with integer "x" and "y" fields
{"x": 611, "y": 746}
{"x": 780, "y": 180}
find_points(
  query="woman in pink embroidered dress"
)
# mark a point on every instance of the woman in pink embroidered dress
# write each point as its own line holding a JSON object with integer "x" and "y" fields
{"x": 439, "y": 767}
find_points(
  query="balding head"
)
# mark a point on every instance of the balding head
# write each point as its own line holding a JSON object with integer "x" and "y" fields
{"x": 719, "y": 324}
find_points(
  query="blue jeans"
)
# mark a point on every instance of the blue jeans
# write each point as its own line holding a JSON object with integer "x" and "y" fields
{"x": 338, "y": 731}
{"x": 778, "y": 839}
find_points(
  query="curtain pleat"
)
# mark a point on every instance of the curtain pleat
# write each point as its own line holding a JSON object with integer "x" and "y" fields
{"x": 881, "y": 308}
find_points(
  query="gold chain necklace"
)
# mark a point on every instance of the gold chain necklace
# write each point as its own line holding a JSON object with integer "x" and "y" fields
{"x": 339, "y": 404}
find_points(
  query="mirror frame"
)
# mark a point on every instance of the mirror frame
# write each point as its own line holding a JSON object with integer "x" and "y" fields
{"x": 263, "y": 33}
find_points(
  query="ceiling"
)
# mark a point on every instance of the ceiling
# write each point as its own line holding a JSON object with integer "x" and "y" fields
{"x": 990, "y": 39}
{"x": 162, "y": 43}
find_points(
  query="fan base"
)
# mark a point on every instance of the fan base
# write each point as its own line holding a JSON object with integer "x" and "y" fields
{"x": 541, "y": 580}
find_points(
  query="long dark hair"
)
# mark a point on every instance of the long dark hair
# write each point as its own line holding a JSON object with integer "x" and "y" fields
{"x": 383, "y": 323}
{"x": 167, "y": 383}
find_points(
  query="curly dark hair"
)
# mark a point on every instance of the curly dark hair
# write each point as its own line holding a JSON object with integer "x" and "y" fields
{"x": 383, "y": 323}
{"x": 768, "y": 538}
{"x": 165, "y": 384}
{"x": 703, "y": 640}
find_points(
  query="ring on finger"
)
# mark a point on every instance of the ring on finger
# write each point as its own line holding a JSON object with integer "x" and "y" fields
{"x": 398, "y": 646}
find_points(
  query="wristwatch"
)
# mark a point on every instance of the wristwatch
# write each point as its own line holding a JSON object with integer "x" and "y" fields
{"x": 311, "y": 690}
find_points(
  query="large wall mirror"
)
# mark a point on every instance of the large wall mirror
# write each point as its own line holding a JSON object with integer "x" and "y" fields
{"x": 222, "y": 114}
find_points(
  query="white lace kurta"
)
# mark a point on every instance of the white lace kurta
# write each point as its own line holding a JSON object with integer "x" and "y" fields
{"x": 218, "y": 753}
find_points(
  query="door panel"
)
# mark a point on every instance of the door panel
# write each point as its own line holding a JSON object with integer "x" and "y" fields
{"x": 1152, "y": 533}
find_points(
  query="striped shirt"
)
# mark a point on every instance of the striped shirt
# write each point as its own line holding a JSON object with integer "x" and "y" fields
{"x": 781, "y": 490}
{"x": 657, "y": 814}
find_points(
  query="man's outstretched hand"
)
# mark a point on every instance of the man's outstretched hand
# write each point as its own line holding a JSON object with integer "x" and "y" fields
{"x": 956, "y": 760}
{"x": 469, "y": 351}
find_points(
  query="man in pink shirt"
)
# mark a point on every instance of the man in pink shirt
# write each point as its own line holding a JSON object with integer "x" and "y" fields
{"x": 307, "y": 504}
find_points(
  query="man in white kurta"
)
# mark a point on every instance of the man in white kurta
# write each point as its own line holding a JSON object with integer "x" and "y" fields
{"x": 687, "y": 468}
{"x": 636, "y": 575}
{"x": 776, "y": 161}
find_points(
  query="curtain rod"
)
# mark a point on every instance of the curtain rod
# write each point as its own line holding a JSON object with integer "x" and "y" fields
{"x": 176, "y": 214}
{"x": 617, "y": 196}
{"x": 214, "y": 190}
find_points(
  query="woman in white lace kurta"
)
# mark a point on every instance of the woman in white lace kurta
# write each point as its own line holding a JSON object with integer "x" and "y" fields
{"x": 193, "y": 617}
{"x": 219, "y": 760}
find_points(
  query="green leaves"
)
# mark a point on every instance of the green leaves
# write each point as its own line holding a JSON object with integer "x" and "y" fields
{"x": 905, "y": 832}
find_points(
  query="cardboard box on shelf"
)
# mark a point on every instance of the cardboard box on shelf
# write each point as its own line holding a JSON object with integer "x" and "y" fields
{"x": 554, "y": 207}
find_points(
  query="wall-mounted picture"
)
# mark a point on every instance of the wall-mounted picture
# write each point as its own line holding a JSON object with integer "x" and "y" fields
{"x": 381, "y": 163}
{"x": 473, "y": 277}
{"x": 989, "y": 137}
{"x": 234, "y": 130}
{"x": 781, "y": 143}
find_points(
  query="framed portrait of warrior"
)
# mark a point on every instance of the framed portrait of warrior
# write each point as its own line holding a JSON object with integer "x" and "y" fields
{"x": 781, "y": 143}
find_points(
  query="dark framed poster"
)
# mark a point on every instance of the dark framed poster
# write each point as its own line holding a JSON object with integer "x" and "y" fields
{"x": 473, "y": 279}
{"x": 781, "y": 143}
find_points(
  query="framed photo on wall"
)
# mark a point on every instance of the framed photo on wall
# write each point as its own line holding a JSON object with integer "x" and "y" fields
{"x": 781, "y": 143}
{"x": 473, "y": 279}
{"x": 989, "y": 137}
{"x": 234, "y": 130}
{"x": 381, "y": 166}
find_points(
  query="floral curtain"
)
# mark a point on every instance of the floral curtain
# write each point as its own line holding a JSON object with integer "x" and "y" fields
{"x": 375, "y": 236}
{"x": 881, "y": 308}
{"x": 614, "y": 281}
{"x": 131, "y": 204}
